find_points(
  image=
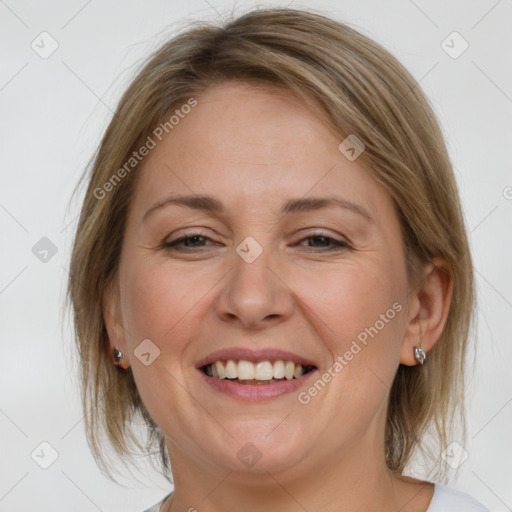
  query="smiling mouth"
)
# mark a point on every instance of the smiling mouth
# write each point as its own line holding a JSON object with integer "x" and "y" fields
{"x": 262, "y": 372}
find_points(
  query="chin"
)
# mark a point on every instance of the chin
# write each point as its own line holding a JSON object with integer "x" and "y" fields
{"x": 264, "y": 446}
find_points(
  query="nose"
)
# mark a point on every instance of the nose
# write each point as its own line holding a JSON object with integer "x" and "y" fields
{"x": 254, "y": 295}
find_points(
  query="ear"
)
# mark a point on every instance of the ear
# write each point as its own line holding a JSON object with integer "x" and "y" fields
{"x": 113, "y": 321}
{"x": 428, "y": 307}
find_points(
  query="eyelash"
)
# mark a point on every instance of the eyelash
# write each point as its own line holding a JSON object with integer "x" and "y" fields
{"x": 338, "y": 245}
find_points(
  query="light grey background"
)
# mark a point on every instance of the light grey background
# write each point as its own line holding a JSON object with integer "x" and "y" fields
{"x": 54, "y": 111}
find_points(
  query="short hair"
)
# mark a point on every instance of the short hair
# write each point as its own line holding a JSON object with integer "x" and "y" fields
{"x": 359, "y": 89}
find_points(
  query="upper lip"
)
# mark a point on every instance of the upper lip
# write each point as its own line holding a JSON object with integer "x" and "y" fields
{"x": 247, "y": 354}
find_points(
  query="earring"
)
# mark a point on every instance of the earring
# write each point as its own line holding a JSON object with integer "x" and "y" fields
{"x": 419, "y": 355}
{"x": 117, "y": 357}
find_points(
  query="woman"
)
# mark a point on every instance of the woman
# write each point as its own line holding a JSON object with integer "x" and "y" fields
{"x": 271, "y": 268}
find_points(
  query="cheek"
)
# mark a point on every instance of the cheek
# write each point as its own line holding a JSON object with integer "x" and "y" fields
{"x": 163, "y": 304}
{"x": 159, "y": 300}
{"x": 352, "y": 300}
{"x": 358, "y": 311}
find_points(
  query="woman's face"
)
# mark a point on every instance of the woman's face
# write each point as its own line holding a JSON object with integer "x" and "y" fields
{"x": 295, "y": 256}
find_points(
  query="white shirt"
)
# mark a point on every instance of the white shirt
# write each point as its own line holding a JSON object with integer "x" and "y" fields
{"x": 443, "y": 500}
{"x": 451, "y": 500}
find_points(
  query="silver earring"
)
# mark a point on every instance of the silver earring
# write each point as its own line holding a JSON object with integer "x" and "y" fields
{"x": 419, "y": 355}
{"x": 117, "y": 357}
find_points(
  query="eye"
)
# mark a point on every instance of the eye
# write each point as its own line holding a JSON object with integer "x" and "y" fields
{"x": 192, "y": 242}
{"x": 324, "y": 243}
{"x": 189, "y": 242}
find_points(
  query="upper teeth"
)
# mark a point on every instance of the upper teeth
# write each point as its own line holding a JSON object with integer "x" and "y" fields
{"x": 246, "y": 370}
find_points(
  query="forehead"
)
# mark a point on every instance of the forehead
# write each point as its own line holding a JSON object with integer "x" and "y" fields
{"x": 252, "y": 146}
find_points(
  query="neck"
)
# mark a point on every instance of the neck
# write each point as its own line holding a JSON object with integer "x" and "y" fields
{"x": 357, "y": 480}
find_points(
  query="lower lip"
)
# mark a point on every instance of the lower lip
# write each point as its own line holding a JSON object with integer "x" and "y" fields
{"x": 256, "y": 392}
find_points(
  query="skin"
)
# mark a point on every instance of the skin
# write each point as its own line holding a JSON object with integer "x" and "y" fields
{"x": 254, "y": 148}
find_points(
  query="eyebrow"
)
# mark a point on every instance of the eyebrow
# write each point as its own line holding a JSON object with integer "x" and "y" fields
{"x": 210, "y": 204}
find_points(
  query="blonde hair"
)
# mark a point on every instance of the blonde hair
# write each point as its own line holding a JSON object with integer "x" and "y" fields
{"x": 359, "y": 88}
